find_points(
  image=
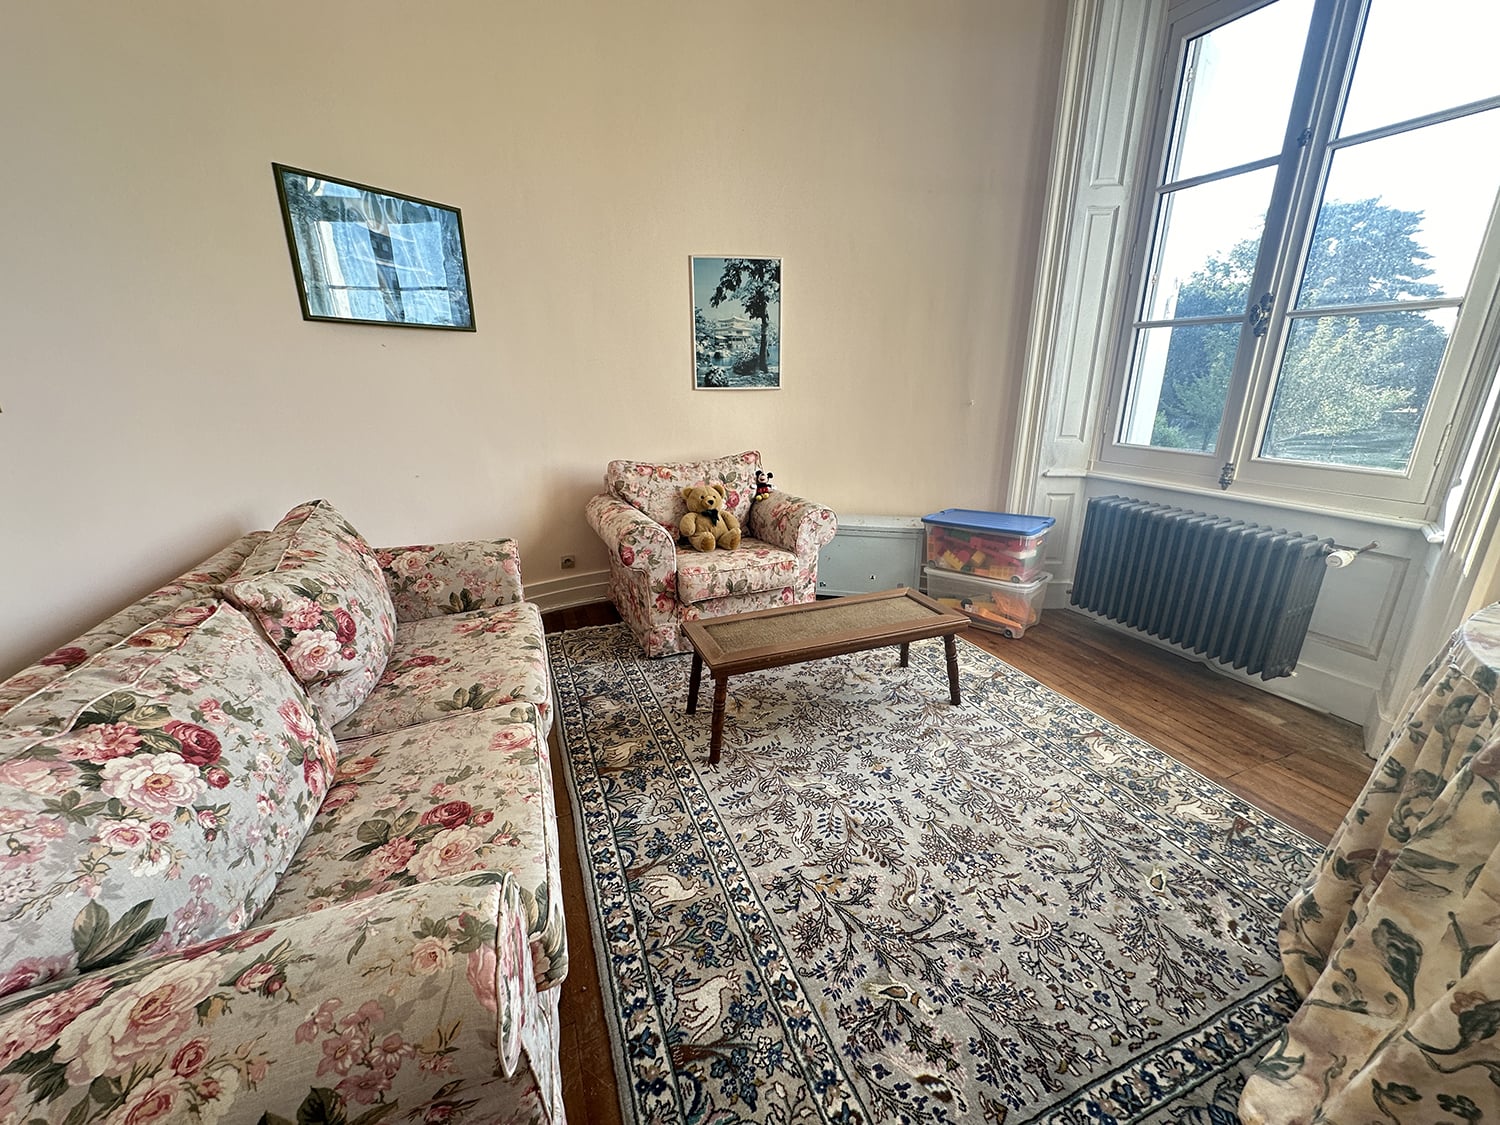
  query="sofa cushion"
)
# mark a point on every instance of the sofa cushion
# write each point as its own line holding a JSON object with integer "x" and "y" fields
{"x": 751, "y": 568}
{"x": 152, "y": 795}
{"x": 468, "y": 794}
{"x": 656, "y": 489}
{"x": 318, "y": 592}
{"x": 490, "y": 659}
{"x": 196, "y": 583}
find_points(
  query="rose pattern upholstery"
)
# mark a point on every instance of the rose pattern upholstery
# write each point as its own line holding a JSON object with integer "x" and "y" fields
{"x": 1391, "y": 942}
{"x": 656, "y": 588}
{"x": 390, "y": 973}
{"x": 432, "y": 800}
{"x": 323, "y": 601}
{"x": 443, "y": 666}
{"x": 428, "y": 1019}
{"x": 196, "y": 583}
{"x": 143, "y": 805}
{"x": 425, "y": 581}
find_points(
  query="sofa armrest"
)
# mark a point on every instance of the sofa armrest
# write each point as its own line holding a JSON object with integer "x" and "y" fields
{"x": 635, "y": 540}
{"x": 792, "y": 523}
{"x": 429, "y": 581}
{"x": 415, "y": 998}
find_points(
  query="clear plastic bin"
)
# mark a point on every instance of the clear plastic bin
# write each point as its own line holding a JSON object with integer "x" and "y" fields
{"x": 995, "y": 545}
{"x": 1004, "y": 607}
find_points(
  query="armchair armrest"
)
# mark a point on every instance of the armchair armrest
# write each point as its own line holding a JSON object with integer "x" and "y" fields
{"x": 429, "y": 581}
{"x": 636, "y": 541}
{"x": 792, "y": 523}
{"x": 413, "y": 999}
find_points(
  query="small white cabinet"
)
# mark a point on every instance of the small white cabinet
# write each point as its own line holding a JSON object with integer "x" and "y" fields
{"x": 873, "y": 553}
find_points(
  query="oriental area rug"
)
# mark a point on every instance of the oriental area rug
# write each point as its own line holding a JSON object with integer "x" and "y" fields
{"x": 880, "y": 907}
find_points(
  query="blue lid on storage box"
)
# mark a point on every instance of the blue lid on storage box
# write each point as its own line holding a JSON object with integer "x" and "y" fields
{"x": 1004, "y": 523}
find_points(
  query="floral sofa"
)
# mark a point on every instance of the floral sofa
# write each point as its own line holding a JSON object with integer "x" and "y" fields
{"x": 656, "y": 586}
{"x": 279, "y": 845}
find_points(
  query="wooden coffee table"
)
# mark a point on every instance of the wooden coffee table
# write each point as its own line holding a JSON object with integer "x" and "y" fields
{"x": 772, "y": 638}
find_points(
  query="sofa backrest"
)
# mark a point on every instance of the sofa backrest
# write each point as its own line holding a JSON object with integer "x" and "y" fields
{"x": 152, "y": 795}
{"x": 655, "y": 488}
{"x": 196, "y": 583}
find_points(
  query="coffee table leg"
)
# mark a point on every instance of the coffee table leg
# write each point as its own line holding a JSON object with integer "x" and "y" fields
{"x": 716, "y": 735}
{"x": 951, "y": 647}
{"x": 905, "y": 653}
{"x": 694, "y": 677}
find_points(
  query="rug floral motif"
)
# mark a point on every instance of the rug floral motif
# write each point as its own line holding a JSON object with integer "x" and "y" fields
{"x": 879, "y": 907}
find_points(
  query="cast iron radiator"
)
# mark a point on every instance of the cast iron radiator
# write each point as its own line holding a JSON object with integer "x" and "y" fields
{"x": 1237, "y": 592}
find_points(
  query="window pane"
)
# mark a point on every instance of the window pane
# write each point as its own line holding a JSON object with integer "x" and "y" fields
{"x": 1402, "y": 217}
{"x": 1236, "y": 91}
{"x": 1179, "y": 379}
{"x": 1418, "y": 58}
{"x": 1206, "y": 252}
{"x": 1353, "y": 389}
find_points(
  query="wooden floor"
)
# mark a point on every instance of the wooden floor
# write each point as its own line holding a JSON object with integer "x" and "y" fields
{"x": 1303, "y": 767}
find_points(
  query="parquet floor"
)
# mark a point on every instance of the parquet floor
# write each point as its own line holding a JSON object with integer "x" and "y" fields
{"x": 1303, "y": 767}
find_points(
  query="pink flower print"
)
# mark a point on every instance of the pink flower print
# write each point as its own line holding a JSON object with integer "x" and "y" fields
{"x": 297, "y": 720}
{"x": 69, "y": 657}
{"x": 155, "y": 1102}
{"x": 124, "y": 836}
{"x": 390, "y": 858}
{"x": 190, "y": 1058}
{"x": 430, "y": 955}
{"x": 301, "y": 615}
{"x": 320, "y": 1021}
{"x": 154, "y": 783}
{"x": 390, "y": 1052}
{"x": 200, "y": 746}
{"x": 340, "y": 1053}
{"x": 448, "y": 853}
{"x": 512, "y": 737}
{"x": 451, "y": 814}
{"x": 365, "y": 1086}
{"x": 344, "y": 627}
{"x": 481, "y": 974}
{"x": 46, "y": 778}
{"x": 313, "y": 654}
{"x": 216, "y": 776}
{"x": 139, "y": 1021}
{"x": 27, "y": 973}
{"x": 213, "y": 712}
{"x": 627, "y": 554}
{"x": 104, "y": 741}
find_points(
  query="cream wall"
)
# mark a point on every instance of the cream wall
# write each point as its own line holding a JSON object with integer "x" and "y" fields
{"x": 161, "y": 393}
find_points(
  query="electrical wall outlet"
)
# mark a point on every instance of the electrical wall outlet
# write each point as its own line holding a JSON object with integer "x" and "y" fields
{"x": 569, "y": 562}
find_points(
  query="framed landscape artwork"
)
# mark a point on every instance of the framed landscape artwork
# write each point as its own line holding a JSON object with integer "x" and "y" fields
{"x": 736, "y": 323}
{"x": 369, "y": 256}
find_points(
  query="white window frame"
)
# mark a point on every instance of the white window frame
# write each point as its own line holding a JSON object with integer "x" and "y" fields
{"x": 1418, "y": 493}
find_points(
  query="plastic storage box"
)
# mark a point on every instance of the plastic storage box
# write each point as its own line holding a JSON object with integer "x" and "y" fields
{"x": 995, "y": 545}
{"x": 1005, "y": 607}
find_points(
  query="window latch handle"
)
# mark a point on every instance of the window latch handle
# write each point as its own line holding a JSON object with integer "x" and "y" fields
{"x": 1259, "y": 316}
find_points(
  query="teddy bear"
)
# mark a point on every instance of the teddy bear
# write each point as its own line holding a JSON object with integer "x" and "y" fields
{"x": 708, "y": 522}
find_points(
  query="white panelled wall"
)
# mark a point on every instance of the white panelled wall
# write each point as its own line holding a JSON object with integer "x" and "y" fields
{"x": 1378, "y": 620}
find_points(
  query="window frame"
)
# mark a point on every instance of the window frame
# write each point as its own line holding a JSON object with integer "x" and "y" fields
{"x": 1302, "y": 167}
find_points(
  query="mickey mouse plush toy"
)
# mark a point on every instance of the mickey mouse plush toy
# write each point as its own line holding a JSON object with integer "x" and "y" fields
{"x": 762, "y": 485}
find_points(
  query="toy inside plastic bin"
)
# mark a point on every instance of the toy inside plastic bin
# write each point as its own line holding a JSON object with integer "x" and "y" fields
{"x": 1004, "y": 607}
{"x": 998, "y": 545}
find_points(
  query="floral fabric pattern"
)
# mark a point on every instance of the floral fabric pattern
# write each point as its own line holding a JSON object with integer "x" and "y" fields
{"x": 406, "y": 1007}
{"x": 322, "y": 599}
{"x": 427, "y": 581}
{"x": 151, "y": 797}
{"x": 491, "y": 659}
{"x": 751, "y": 568}
{"x": 655, "y": 587}
{"x": 1391, "y": 943}
{"x": 471, "y": 795}
{"x": 195, "y": 584}
{"x": 656, "y": 489}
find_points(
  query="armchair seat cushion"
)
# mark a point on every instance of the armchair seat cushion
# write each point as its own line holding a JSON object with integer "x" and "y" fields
{"x": 751, "y": 568}
{"x": 485, "y": 660}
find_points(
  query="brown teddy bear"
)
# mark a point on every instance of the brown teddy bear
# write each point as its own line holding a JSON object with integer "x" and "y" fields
{"x": 708, "y": 522}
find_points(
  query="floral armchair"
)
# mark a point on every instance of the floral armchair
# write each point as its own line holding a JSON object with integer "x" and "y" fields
{"x": 656, "y": 586}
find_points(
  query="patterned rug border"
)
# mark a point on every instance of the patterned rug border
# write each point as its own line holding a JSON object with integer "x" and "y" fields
{"x": 1255, "y": 1019}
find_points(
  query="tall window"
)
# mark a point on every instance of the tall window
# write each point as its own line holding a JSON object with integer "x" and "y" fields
{"x": 1319, "y": 253}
